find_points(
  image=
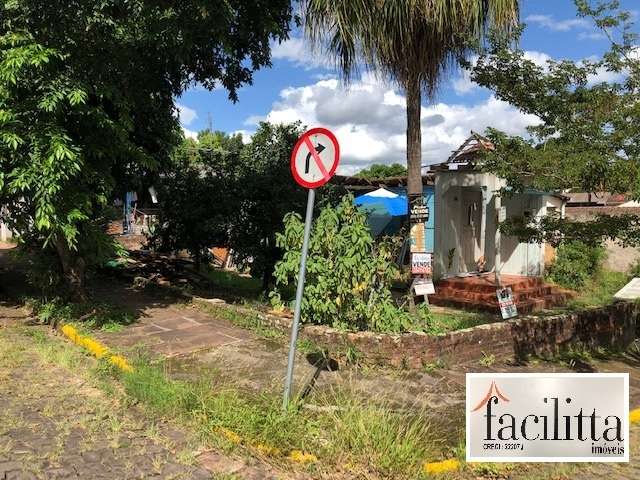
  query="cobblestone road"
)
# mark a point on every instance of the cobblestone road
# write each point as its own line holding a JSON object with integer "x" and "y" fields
{"x": 53, "y": 425}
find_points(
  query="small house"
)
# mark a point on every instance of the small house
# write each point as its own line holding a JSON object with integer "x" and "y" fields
{"x": 467, "y": 210}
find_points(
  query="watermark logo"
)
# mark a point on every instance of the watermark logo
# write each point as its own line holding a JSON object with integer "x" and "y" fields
{"x": 547, "y": 417}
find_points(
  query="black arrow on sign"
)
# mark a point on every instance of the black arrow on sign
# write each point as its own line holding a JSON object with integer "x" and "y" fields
{"x": 319, "y": 149}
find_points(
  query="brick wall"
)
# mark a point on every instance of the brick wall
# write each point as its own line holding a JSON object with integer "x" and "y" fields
{"x": 612, "y": 327}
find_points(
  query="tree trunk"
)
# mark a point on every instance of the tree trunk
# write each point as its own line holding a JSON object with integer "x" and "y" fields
{"x": 73, "y": 270}
{"x": 414, "y": 155}
{"x": 414, "y": 139}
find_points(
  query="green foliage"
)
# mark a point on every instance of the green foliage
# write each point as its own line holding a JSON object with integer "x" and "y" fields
{"x": 234, "y": 283}
{"x": 575, "y": 263}
{"x": 598, "y": 291}
{"x": 100, "y": 316}
{"x": 379, "y": 170}
{"x": 348, "y": 274}
{"x": 220, "y": 192}
{"x": 488, "y": 359}
{"x": 266, "y": 192}
{"x": 587, "y": 139}
{"x": 197, "y": 195}
{"x": 87, "y": 101}
{"x": 634, "y": 269}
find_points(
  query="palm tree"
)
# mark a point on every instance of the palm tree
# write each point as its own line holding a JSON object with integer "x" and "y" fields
{"x": 410, "y": 42}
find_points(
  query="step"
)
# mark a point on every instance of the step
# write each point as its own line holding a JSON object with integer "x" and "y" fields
{"x": 519, "y": 295}
{"x": 476, "y": 285}
{"x": 528, "y": 305}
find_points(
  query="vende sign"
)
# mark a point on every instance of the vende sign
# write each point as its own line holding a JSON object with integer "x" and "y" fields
{"x": 421, "y": 263}
{"x": 547, "y": 417}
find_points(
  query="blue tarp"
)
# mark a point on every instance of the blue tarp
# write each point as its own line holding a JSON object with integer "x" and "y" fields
{"x": 396, "y": 206}
{"x": 384, "y": 212}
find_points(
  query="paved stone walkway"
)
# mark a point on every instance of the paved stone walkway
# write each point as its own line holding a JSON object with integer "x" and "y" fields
{"x": 53, "y": 424}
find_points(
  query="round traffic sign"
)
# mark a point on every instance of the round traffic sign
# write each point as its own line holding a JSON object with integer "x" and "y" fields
{"x": 315, "y": 158}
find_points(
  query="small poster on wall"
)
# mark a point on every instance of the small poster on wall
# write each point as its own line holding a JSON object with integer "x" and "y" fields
{"x": 508, "y": 307}
{"x": 417, "y": 237}
{"x": 419, "y": 212}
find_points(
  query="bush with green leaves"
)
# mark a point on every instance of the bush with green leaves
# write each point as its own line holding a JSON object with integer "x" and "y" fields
{"x": 576, "y": 262}
{"x": 348, "y": 273}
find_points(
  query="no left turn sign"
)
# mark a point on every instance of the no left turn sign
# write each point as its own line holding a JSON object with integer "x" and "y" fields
{"x": 315, "y": 158}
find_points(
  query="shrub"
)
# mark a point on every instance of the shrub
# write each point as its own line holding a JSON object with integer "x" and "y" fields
{"x": 575, "y": 263}
{"x": 348, "y": 274}
{"x": 634, "y": 269}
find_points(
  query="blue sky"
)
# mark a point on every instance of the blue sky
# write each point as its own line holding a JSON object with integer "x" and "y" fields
{"x": 368, "y": 117}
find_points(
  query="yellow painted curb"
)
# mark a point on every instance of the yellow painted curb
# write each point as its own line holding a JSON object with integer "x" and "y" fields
{"x": 634, "y": 416}
{"x": 230, "y": 435}
{"x": 267, "y": 450}
{"x": 298, "y": 456}
{"x": 96, "y": 348}
{"x": 435, "y": 468}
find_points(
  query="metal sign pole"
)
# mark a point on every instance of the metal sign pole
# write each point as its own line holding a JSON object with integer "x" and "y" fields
{"x": 299, "y": 291}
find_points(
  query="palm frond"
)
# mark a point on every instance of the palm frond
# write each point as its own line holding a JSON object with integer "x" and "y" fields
{"x": 404, "y": 40}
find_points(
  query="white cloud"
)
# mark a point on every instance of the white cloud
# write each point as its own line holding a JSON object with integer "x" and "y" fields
{"x": 189, "y": 133}
{"x": 369, "y": 120}
{"x": 246, "y": 135}
{"x": 298, "y": 51}
{"x": 591, "y": 36}
{"x": 254, "y": 120}
{"x": 185, "y": 114}
{"x": 551, "y": 23}
{"x": 463, "y": 83}
{"x": 541, "y": 59}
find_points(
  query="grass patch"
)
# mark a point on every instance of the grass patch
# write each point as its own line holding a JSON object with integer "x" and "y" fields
{"x": 249, "y": 320}
{"x": 341, "y": 432}
{"x": 233, "y": 282}
{"x": 443, "y": 322}
{"x": 598, "y": 291}
{"x": 367, "y": 435}
{"x": 91, "y": 315}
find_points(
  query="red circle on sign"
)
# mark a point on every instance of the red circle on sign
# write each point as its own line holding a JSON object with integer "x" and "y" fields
{"x": 302, "y": 141}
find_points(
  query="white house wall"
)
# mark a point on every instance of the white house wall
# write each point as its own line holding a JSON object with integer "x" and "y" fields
{"x": 450, "y": 216}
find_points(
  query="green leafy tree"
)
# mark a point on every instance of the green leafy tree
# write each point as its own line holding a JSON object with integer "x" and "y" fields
{"x": 220, "y": 192}
{"x": 197, "y": 195}
{"x": 588, "y": 135}
{"x": 411, "y": 42}
{"x": 265, "y": 191}
{"x": 348, "y": 273}
{"x": 379, "y": 170}
{"x": 87, "y": 95}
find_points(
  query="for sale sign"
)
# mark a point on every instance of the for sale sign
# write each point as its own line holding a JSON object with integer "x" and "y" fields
{"x": 508, "y": 307}
{"x": 421, "y": 264}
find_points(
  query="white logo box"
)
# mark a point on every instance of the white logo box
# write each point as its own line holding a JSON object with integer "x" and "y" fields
{"x": 502, "y": 408}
